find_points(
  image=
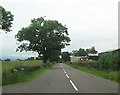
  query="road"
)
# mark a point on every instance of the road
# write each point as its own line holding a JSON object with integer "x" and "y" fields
{"x": 64, "y": 79}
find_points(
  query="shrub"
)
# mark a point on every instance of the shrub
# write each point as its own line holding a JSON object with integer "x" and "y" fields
{"x": 109, "y": 61}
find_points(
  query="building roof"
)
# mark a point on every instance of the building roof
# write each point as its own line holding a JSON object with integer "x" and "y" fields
{"x": 93, "y": 54}
{"x": 78, "y": 56}
{"x": 110, "y": 50}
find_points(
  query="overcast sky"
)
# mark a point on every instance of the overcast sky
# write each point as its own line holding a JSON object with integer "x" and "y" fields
{"x": 90, "y": 22}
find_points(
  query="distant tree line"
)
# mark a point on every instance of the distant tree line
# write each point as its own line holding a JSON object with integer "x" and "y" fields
{"x": 65, "y": 56}
{"x": 7, "y": 59}
{"x": 34, "y": 58}
{"x": 84, "y": 52}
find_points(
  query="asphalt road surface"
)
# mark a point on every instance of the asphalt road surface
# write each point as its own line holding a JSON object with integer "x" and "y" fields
{"x": 64, "y": 79}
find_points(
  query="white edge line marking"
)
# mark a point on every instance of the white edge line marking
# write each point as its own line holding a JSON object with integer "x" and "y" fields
{"x": 67, "y": 75}
{"x": 73, "y": 85}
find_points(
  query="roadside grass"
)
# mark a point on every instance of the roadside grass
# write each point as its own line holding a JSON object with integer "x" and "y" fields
{"x": 29, "y": 73}
{"x": 22, "y": 76}
{"x": 107, "y": 74}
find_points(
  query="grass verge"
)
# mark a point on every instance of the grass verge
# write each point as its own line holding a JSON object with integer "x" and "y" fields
{"x": 24, "y": 76}
{"x": 111, "y": 75}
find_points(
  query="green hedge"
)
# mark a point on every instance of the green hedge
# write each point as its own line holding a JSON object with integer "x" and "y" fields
{"x": 109, "y": 61}
{"x": 106, "y": 61}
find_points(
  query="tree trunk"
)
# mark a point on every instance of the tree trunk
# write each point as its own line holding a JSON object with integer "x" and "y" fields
{"x": 45, "y": 58}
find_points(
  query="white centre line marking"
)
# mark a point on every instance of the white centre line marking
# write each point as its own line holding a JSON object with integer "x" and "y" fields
{"x": 64, "y": 72}
{"x": 67, "y": 76}
{"x": 73, "y": 85}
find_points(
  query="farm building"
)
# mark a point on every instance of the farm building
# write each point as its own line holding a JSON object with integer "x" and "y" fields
{"x": 113, "y": 51}
{"x": 84, "y": 58}
{"x": 79, "y": 58}
{"x": 93, "y": 56}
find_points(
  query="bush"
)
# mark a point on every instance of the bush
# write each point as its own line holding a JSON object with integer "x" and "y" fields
{"x": 109, "y": 61}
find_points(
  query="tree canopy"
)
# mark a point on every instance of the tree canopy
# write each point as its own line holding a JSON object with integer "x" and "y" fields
{"x": 83, "y": 52}
{"x": 91, "y": 50}
{"x": 6, "y": 19}
{"x": 46, "y": 37}
{"x": 80, "y": 52}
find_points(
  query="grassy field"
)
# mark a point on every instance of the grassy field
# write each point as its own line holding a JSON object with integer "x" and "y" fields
{"x": 111, "y": 75}
{"x": 9, "y": 65}
{"x": 22, "y": 71}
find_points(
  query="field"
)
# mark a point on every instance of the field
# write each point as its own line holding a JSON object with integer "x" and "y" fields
{"x": 7, "y": 66}
{"x": 21, "y": 71}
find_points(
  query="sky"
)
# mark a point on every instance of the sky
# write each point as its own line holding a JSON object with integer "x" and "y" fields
{"x": 89, "y": 22}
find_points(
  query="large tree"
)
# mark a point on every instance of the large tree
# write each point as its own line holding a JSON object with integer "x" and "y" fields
{"x": 46, "y": 37}
{"x": 6, "y": 19}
